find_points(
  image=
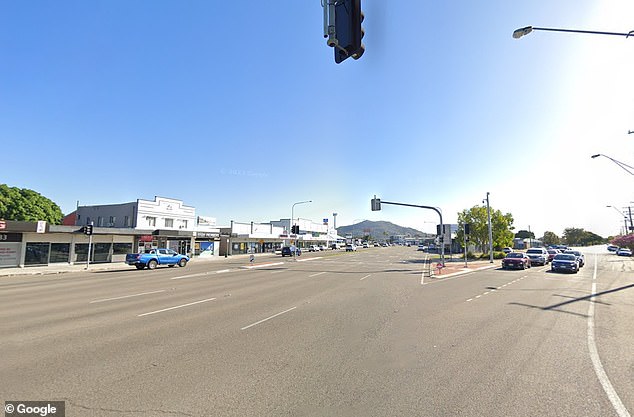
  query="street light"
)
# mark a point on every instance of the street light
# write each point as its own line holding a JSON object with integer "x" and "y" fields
{"x": 490, "y": 228}
{"x": 623, "y": 165}
{"x": 518, "y": 33}
{"x": 293, "y": 217}
{"x": 624, "y": 218}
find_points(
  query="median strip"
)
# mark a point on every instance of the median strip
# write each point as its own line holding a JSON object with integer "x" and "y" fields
{"x": 175, "y": 307}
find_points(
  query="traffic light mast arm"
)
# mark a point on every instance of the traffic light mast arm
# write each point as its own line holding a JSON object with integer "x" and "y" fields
{"x": 436, "y": 209}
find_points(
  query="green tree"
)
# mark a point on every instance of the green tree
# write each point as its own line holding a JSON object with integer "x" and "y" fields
{"x": 580, "y": 237}
{"x": 525, "y": 234}
{"x": 550, "y": 238}
{"x": 501, "y": 225}
{"x": 22, "y": 204}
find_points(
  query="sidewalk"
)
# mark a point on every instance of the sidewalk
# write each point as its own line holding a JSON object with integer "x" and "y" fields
{"x": 234, "y": 260}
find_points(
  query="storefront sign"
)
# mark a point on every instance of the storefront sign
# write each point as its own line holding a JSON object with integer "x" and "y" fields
{"x": 10, "y": 237}
{"x": 146, "y": 238}
{"x": 41, "y": 227}
{"x": 3, "y": 225}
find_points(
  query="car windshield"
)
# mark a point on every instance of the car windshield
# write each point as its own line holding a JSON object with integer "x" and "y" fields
{"x": 565, "y": 257}
{"x": 515, "y": 255}
{"x": 534, "y": 251}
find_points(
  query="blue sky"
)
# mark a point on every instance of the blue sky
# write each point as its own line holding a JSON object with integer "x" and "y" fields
{"x": 238, "y": 109}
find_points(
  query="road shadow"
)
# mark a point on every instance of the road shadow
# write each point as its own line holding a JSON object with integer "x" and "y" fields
{"x": 556, "y": 307}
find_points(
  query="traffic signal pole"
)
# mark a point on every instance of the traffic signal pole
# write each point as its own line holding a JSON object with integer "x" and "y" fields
{"x": 89, "y": 245}
{"x": 376, "y": 206}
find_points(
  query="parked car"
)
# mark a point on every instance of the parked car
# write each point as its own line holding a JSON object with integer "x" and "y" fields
{"x": 565, "y": 262}
{"x": 322, "y": 247}
{"x": 313, "y": 248}
{"x": 335, "y": 246}
{"x": 516, "y": 260}
{"x": 624, "y": 252}
{"x": 551, "y": 254}
{"x": 507, "y": 250}
{"x": 538, "y": 256}
{"x": 422, "y": 248}
{"x": 289, "y": 250}
{"x": 580, "y": 258}
{"x": 366, "y": 245}
{"x": 350, "y": 247}
{"x": 613, "y": 248}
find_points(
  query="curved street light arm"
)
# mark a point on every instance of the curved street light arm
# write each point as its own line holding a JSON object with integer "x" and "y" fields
{"x": 518, "y": 33}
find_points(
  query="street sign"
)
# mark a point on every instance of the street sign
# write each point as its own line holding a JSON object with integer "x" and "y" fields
{"x": 41, "y": 227}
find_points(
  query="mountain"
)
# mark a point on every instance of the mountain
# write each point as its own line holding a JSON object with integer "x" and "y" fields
{"x": 380, "y": 230}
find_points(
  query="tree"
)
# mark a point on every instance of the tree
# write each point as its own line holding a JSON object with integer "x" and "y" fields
{"x": 525, "y": 234}
{"x": 580, "y": 237}
{"x": 501, "y": 225}
{"x": 550, "y": 238}
{"x": 22, "y": 204}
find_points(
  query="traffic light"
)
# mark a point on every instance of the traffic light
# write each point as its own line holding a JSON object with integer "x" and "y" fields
{"x": 295, "y": 229}
{"x": 87, "y": 229}
{"x": 348, "y": 30}
{"x": 467, "y": 228}
{"x": 375, "y": 204}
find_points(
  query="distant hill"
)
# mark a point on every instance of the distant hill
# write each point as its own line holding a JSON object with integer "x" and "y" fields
{"x": 380, "y": 230}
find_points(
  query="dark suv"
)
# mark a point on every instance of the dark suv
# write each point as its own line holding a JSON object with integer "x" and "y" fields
{"x": 288, "y": 251}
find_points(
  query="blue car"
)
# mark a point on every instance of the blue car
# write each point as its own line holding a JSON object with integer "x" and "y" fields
{"x": 566, "y": 262}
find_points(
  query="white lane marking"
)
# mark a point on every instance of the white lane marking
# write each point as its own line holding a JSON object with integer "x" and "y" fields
{"x": 222, "y": 271}
{"x": 318, "y": 273}
{"x": 277, "y": 272}
{"x": 486, "y": 293}
{"x": 309, "y": 259}
{"x": 478, "y": 296}
{"x": 268, "y": 318}
{"x": 175, "y": 307}
{"x": 594, "y": 355}
{"x": 190, "y": 276}
{"x": 125, "y": 296}
{"x": 470, "y": 299}
{"x": 263, "y": 265}
{"x": 364, "y": 277}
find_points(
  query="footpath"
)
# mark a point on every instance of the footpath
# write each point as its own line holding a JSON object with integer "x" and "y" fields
{"x": 452, "y": 266}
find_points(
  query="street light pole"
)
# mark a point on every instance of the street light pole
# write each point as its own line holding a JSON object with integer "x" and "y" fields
{"x": 623, "y": 165}
{"x": 518, "y": 33}
{"x": 490, "y": 229}
{"x": 293, "y": 219}
{"x": 624, "y": 218}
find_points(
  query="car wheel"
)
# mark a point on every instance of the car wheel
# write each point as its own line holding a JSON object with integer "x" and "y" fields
{"x": 152, "y": 264}
{"x": 182, "y": 263}
{"x": 139, "y": 266}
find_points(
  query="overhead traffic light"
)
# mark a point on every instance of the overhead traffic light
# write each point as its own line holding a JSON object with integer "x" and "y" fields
{"x": 348, "y": 30}
{"x": 375, "y": 204}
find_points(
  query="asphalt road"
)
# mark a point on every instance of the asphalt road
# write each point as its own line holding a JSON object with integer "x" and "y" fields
{"x": 335, "y": 334}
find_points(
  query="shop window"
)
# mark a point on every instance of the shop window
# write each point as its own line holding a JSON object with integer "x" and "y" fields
{"x": 169, "y": 222}
{"x": 121, "y": 248}
{"x": 60, "y": 252}
{"x": 101, "y": 252}
{"x": 151, "y": 221}
{"x": 36, "y": 253}
{"x": 126, "y": 221}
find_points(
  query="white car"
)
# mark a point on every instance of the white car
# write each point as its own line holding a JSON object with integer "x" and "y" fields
{"x": 624, "y": 252}
{"x": 313, "y": 248}
{"x": 350, "y": 247}
{"x": 538, "y": 256}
